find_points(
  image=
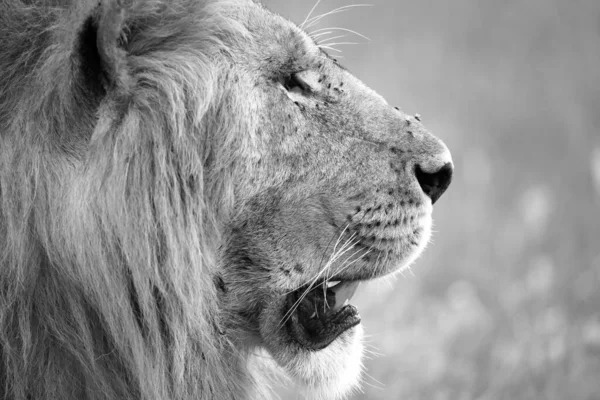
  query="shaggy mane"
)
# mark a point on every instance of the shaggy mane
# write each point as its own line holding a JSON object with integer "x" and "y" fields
{"x": 111, "y": 202}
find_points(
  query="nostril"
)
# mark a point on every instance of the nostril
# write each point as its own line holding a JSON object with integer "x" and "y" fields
{"x": 434, "y": 184}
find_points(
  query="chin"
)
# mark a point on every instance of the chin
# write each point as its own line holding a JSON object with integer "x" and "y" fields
{"x": 333, "y": 372}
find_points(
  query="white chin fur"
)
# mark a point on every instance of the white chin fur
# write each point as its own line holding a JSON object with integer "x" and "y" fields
{"x": 331, "y": 373}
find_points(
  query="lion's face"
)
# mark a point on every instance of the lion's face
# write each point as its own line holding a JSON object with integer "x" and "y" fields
{"x": 333, "y": 187}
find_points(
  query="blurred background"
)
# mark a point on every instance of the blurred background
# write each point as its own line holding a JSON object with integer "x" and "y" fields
{"x": 505, "y": 302}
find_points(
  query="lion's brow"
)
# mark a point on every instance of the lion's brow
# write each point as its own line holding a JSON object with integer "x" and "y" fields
{"x": 327, "y": 55}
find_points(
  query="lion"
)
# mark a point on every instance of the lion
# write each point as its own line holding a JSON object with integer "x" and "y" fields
{"x": 186, "y": 188}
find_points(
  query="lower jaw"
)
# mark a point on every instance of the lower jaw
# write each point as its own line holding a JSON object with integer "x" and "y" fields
{"x": 330, "y": 373}
{"x": 320, "y": 337}
{"x": 321, "y": 314}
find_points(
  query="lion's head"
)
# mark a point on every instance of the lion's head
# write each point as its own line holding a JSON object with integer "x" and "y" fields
{"x": 183, "y": 183}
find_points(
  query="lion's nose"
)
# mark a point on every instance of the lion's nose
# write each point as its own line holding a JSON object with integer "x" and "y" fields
{"x": 434, "y": 181}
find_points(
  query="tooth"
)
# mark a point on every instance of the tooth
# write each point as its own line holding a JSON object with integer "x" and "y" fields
{"x": 314, "y": 315}
{"x": 332, "y": 283}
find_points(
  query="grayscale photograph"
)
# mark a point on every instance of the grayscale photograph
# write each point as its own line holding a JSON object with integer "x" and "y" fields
{"x": 299, "y": 200}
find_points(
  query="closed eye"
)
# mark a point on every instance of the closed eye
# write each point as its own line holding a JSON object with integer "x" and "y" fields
{"x": 293, "y": 83}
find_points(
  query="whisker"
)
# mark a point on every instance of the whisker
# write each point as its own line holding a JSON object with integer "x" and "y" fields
{"x": 330, "y": 48}
{"x": 310, "y": 22}
{"x": 309, "y": 14}
{"x": 344, "y": 266}
{"x": 336, "y": 254}
{"x": 376, "y": 354}
{"x": 347, "y": 246}
{"x": 332, "y": 259}
{"x": 381, "y": 385}
{"x": 377, "y": 259}
{"x": 320, "y": 34}
{"x": 329, "y": 39}
{"x": 340, "y": 43}
{"x": 338, "y": 29}
{"x": 333, "y": 252}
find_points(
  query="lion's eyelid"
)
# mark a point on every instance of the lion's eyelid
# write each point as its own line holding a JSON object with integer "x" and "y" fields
{"x": 309, "y": 79}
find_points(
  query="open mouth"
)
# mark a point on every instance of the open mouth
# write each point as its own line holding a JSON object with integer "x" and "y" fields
{"x": 320, "y": 313}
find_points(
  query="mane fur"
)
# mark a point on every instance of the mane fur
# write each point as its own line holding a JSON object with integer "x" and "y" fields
{"x": 111, "y": 206}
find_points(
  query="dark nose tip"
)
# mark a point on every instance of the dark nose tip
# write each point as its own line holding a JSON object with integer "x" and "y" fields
{"x": 434, "y": 183}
